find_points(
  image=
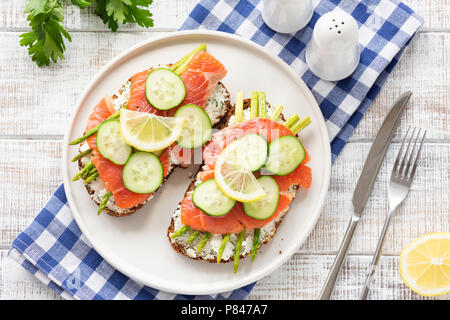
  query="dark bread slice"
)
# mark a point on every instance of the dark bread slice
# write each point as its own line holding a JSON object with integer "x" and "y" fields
{"x": 182, "y": 247}
{"x": 126, "y": 212}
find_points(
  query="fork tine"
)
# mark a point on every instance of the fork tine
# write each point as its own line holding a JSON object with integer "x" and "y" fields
{"x": 394, "y": 169}
{"x": 413, "y": 171}
{"x": 407, "y": 155}
{"x": 413, "y": 153}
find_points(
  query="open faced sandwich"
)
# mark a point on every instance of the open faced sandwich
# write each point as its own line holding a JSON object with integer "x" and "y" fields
{"x": 251, "y": 172}
{"x": 134, "y": 139}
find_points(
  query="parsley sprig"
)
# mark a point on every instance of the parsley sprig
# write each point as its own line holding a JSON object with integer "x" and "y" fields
{"x": 45, "y": 41}
{"x": 114, "y": 12}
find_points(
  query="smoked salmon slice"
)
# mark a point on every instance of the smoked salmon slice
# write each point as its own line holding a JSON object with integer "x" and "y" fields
{"x": 198, "y": 88}
{"x": 137, "y": 100}
{"x": 234, "y": 221}
{"x": 200, "y": 78}
{"x": 197, "y": 219}
{"x": 211, "y": 67}
{"x": 110, "y": 173}
{"x": 250, "y": 223}
{"x": 229, "y": 223}
{"x": 301, "y": 176}
{"x": 266, "y": 127}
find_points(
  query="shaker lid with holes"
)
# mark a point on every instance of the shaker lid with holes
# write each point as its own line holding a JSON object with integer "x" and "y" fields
{"x": 336, "y": 30}
{"x": 333, "y": 52}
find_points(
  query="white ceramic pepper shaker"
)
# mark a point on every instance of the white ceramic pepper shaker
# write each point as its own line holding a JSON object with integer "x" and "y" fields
{"x": 333, "y": 52}
{"x": 286, "y": 16}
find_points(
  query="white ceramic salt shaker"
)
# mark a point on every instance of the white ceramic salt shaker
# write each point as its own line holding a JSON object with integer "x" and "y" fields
{"x": 333, "y": 52}
{"x": 287, "y": 16}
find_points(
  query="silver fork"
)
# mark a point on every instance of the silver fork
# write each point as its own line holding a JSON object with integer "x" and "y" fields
{"x": 399, "y": 185}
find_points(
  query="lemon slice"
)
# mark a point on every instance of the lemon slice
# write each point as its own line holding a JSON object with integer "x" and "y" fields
{"x": 148, "y": 132}
{"x": 425, "y": 264}
{"x": 234, "y": 166}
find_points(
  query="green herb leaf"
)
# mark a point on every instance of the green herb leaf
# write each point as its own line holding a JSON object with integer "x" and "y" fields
{"x": 82, "y": 3}
{"x": 114, "y": 12}
{"x": 46, "y": 40}
{"x": 116, "y": 9}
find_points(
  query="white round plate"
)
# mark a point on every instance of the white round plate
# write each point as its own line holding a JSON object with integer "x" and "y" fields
{"x": 137, "y": 245}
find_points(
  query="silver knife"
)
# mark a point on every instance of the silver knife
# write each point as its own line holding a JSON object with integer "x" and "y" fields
{"x": 364, "y": 186}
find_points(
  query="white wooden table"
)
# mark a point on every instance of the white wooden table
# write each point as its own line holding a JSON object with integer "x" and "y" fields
{"x": 36, "y": 103}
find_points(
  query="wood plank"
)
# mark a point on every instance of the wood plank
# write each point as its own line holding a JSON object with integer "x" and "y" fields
{"x": 301, "y": 277}
{"x": 92, "y": 50}
{"x": 30, "y": 172}
{"x": 171, "y": 14}
{"x": 27, "y": 106}
{"x": 425, "y": 210}
{"x": 436, "y": 13}
{"x": 424, "y": 69}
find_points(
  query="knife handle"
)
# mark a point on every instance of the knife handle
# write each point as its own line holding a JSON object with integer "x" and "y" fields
{"x": 376, "y": 257}
{"x": 328, "y": 287}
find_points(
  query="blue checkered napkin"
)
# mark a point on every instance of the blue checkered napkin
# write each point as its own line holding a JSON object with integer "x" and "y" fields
{"x": 54, "y": 250}
{"x": 386, "y": 28}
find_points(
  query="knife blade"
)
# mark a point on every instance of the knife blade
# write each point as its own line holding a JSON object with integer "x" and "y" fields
{"x": 364, "y": 186}
{"x": 377, "y": 152}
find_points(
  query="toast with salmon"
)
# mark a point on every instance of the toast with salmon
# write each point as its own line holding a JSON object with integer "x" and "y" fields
{"x": 201, "y": 76}
{"x": 196, "y": 234}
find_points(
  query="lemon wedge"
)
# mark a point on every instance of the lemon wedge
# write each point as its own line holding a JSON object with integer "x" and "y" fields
{"x": 425, "y": 264}
{"x": 234, "y": 166}
{"x": 148, "y": 132}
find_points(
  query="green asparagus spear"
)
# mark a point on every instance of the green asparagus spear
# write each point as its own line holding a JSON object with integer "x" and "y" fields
{"x": 91, "y": 172}
{"x": 239, "y": 109}
{"x": 262, "y": 104}
{"x": 296, "y": 128}
{"x": 180, "y": 231}
{"x": 193, "y": 236}
{"x": 103, "y": 203}
{"x": 254, "y": 105}
{"x": 181, "y": 68}
{"x": 237, "y": 252}
{"x": 203, "y": 241}
{"x": 181, "y": 64}
{"x": 292, "y": 119}
{"x": 83, "y": 171}
{"x": 93, "y": 130}
{"x": 276, "y": 114}
{"x": 256, "y": 243}
{"x": 81, "y": 154}
{"x": 92, "y": 177}
{"x": 222, "y": 247}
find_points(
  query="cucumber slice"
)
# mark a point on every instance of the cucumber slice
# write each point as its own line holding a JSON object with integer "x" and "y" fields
{"x": 164, "y": 89}
{"x": 110, "y": 143}
{"x": 285, "y": 155}
{"x": 251, "y": 151}
{"x": 197, "y": 128}
{"x": 156, "y": 153}
{"x": 208, "y": 197}
{"x": 265, "y": 207}
{"x": 143, "y": 172}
